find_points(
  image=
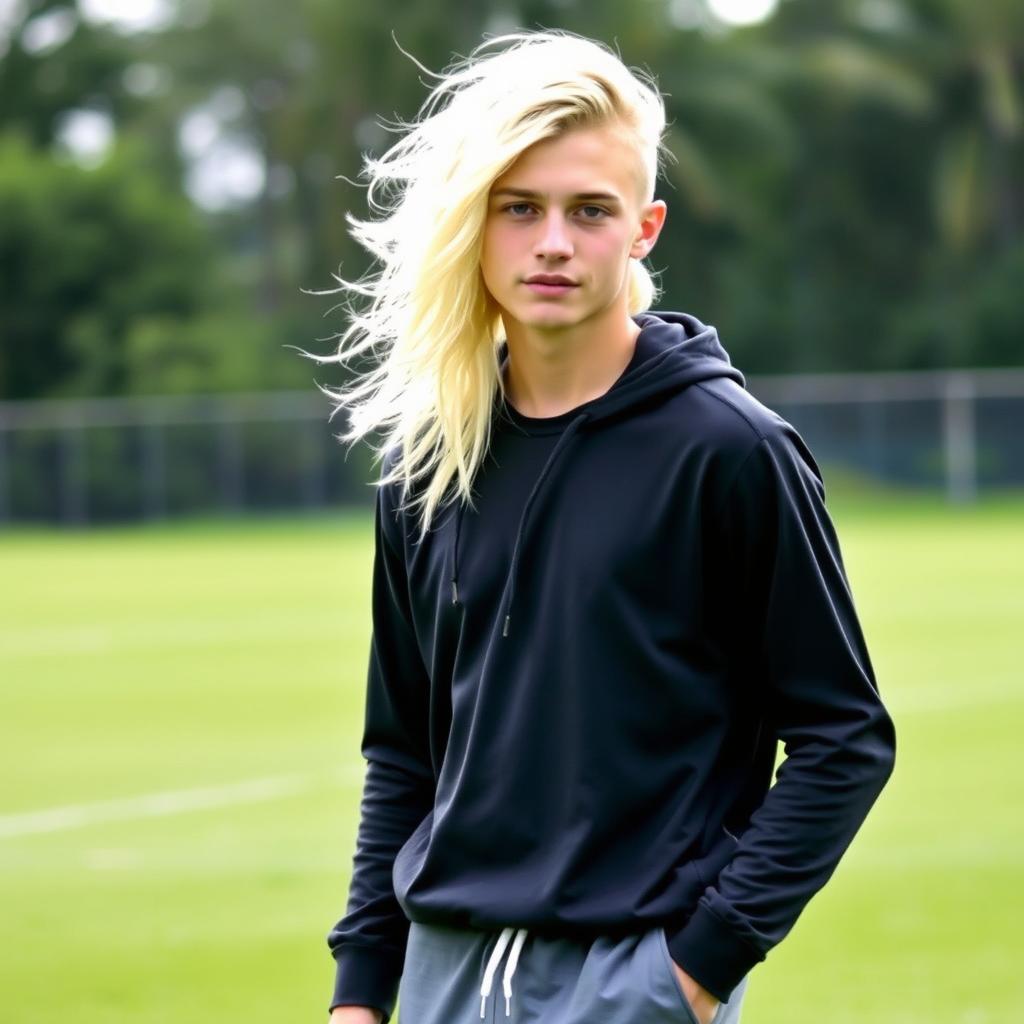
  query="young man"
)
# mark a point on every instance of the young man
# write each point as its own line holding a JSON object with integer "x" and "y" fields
{"x": 583, "y": 660}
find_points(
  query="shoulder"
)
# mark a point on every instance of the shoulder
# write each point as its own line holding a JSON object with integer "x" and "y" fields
{"x": 734, "y": 416}
{"x": 733, "y": 423}
{"x": 391, "y": 511}
{"x": 400, "y": 500}
{"x": 748, "y": 444}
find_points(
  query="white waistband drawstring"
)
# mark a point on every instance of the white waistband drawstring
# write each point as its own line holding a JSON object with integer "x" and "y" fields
{"x": 510, "y": 967}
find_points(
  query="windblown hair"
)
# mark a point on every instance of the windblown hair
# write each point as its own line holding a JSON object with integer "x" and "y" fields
{"x": 430, "y": 320}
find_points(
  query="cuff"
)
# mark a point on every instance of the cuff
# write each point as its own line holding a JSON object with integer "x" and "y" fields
{"x": 366, "y": 977}
{"x": 712, "y": 953}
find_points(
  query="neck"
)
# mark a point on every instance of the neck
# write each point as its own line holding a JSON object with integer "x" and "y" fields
{"x": 552, "y": 371}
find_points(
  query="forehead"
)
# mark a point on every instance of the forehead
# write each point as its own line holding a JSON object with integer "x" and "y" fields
{"x": 582, "y": 160}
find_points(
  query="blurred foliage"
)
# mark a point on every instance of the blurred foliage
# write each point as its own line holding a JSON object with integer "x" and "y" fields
{"x": 846, "y": 189}
{"x": 110, "y": 282}
{"x": 84, "y": 255}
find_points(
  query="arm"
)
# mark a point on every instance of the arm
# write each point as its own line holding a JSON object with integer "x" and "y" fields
{"x": 815, "y": 684}
{"x": 368, "y": 943}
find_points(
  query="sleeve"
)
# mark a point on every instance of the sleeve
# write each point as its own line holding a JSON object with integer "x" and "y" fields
{"x": 819, "y": 696}
{"x": 368, "y": 943}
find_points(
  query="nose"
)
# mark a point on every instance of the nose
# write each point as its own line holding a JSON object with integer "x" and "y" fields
{"x": 553, "y": 242}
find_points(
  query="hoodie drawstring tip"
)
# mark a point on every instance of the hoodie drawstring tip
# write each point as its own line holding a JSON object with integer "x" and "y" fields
{"x": 510, "y": 967}
{"x": 504, "y": 632}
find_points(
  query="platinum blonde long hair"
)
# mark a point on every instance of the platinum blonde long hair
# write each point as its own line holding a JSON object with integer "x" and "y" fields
{"x": 430, "y": 321}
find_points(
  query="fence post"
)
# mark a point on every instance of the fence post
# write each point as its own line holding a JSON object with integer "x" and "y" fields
{"x": 231, "y": 461}
{"x": 315, "y": 484}
{"x": 872, "y": 430}
{"x": 5, "y": 492}
{"x": 74, "y": 500}
{"x": 960, "y": 438}
{"x": 154, "y": 472}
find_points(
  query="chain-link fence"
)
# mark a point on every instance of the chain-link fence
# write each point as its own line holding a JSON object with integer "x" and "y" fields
{"x": 955, "y": 430}
{"x": 104, "y": 460}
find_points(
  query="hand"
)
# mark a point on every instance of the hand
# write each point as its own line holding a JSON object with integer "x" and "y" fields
{"x": 356, "y": 1015}
{"x": 702, "y": 1002}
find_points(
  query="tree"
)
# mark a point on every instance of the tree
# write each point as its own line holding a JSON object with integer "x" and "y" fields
{"x": 83, "y": 255}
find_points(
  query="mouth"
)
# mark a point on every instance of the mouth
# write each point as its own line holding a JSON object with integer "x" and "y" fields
{"x": 550, "y": 284}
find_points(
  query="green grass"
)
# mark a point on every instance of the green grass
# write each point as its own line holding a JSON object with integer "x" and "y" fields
{"x": 140, "y": 660}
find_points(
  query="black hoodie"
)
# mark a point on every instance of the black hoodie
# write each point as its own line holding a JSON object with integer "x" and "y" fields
{"x": 576, "y": 689}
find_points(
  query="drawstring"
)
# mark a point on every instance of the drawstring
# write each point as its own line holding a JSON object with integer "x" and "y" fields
{"x": 455, "y": 554}
{"x": 510, "y": 582}
{"x": 510, "y": 968}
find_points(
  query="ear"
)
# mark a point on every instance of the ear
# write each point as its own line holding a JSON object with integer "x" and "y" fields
{"x": 652, "y": 220}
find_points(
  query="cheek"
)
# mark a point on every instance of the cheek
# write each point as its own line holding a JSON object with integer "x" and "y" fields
{"x": 608, "y": 251}
{"x": 494, "y": 262}
{"x": 494, "y": 245}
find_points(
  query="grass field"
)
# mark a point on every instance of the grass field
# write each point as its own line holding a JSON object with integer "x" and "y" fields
{"x": 180, "y": 712}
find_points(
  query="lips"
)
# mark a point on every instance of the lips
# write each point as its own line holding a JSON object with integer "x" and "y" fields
{"x": 552, "y": 279}
{"x": 544, "y": 288}
{"x": 550, "y": 285}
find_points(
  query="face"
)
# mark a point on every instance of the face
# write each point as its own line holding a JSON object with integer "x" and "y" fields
{"x": 569, "y": 208}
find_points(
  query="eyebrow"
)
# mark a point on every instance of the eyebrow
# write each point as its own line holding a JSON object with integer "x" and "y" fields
{"x": 525, "y": 193}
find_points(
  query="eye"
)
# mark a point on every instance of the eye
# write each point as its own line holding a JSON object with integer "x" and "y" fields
{"x": 513, "y": 207}
{"x": 597, "y": 212}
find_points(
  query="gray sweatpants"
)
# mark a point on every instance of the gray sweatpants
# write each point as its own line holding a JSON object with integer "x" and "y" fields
{"x": 463, "y": 976}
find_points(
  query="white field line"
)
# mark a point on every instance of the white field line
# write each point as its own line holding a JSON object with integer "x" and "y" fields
{"x": 108, "y": 638}
{"x": 112, "y": 638}
{"x": 182, "y": 801}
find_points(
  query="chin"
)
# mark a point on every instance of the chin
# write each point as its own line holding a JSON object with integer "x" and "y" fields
{"x": 556, "y": 318}
{"x": 552, "y": 315}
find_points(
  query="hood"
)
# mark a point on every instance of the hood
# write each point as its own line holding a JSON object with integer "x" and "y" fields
{"x": 673, "y": 350}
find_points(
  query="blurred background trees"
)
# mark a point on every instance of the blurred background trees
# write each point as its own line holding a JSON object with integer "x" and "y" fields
{"x": 846, "y": 191}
